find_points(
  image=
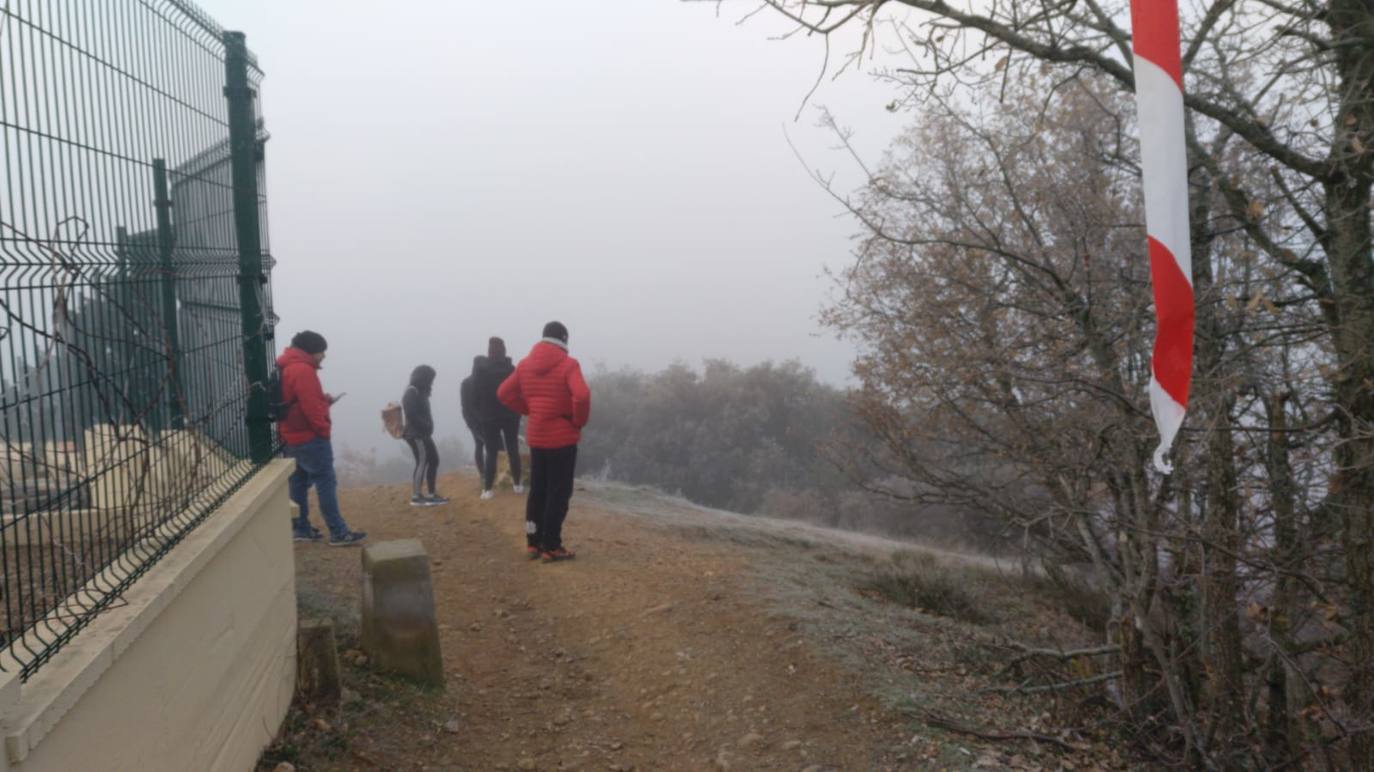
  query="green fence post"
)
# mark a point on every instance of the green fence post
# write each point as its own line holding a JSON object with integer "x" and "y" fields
{"x": 123, "y": 297}
{"x": 169, "y": 292}
{"x": 243, "y": 153}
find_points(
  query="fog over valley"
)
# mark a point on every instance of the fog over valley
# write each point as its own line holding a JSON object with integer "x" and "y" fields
{"x": 440, "y": 173}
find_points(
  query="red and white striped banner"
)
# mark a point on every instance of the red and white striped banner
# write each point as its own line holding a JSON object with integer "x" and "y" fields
{"x": 1159, "y": 103}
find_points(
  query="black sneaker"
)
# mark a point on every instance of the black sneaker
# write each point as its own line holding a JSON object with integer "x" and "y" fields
{"x": 435, "y": 500}
{"x": 350, "y": 539}
{"x": 314, "y": 535}
{"x": 419, "y": 501}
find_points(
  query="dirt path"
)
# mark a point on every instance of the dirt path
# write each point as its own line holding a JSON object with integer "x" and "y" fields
{"x": 644, "y": 653}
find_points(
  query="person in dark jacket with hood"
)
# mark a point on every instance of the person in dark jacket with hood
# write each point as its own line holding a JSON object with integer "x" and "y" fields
{"x": 499, "y": 425}
{"x": 419, "y": 435}
{"x": 548, "y": 387}
{"x": 467, "y": 396}
{"x": 305, "y": 434}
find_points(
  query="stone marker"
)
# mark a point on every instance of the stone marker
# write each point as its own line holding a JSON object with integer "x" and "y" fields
{"x": 317, "y": 663}
{"x": 399, "y": 631}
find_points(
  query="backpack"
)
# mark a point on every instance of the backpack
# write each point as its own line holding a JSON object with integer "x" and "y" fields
{"x": 276, "y": 404}
{"x": 392, "y": 420}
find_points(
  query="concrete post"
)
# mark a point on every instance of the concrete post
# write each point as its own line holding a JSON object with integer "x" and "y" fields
{"x": 317, "y": 663}
{"x": 399, "y": 630}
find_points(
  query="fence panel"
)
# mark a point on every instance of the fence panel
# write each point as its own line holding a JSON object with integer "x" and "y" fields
{"x": 122, "y": 317}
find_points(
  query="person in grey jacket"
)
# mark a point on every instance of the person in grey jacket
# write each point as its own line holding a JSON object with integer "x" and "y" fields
{"x": 419, "y": 435}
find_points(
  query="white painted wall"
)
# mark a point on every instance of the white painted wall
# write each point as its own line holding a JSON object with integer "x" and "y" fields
{"x": 194, "y": 672}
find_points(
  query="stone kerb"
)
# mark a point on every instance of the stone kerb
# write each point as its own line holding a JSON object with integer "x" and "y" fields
{"x": 15, "y": 459}
{"x": 61, "y": 460}
{"x": 119, "y": 480}
{"x": 128, "y": 470}
{"x": 399, "y": 630}
{"x": 190, "y": 455}
{"x": 117, "y": 462}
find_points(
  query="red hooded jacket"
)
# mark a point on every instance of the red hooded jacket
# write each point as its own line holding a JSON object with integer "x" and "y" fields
{"x": 548, "y": 387}
{"x": 307, "y": 412}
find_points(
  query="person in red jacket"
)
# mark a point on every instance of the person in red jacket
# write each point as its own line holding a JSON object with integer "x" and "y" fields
{"x": 305, "y": 433}
{"x": 548, "y": 387}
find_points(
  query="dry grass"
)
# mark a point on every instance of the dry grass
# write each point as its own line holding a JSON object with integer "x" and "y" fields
{"x": 1088, "y": 605}
{"x": 328, "y": 735}
{"x": 922, "y": 582}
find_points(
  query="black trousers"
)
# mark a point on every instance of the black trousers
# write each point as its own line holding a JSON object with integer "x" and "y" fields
{"x": 426, "y": 463}
{"x": 551, "y": 488}
{"x": 477, "y": 445}
{"x": 496, "y": 436}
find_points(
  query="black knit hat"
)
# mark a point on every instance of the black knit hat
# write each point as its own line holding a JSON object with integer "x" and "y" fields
{"x": 496, "y": 348}
{"x": 309, "y": 342}
{"x": 556, "y": 330}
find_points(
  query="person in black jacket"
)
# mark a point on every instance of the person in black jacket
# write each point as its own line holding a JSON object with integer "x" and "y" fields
{"x": 419, "y": 435}
{"x": 499, "y": 425}
{"x": 467, "y": 397}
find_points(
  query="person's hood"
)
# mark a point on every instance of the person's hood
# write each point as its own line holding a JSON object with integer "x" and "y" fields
{"x": 501, "y": 366}
{"x": 294, "y": 356}
{"x": 545, "y": 356}
{"x": 422, "y": 378}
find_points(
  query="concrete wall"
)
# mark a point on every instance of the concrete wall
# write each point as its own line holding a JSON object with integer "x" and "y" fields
{"x": 195, "y": 671}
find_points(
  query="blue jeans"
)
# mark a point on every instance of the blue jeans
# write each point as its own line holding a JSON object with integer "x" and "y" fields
{"x": 315, "y": 466}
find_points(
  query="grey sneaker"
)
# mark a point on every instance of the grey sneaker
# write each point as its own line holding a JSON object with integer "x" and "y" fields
{"x": 314, "y": 535}
{"x": 350, "y": 539}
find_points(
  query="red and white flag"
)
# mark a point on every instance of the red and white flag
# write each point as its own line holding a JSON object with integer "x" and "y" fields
{"x": 1159, "y": 104}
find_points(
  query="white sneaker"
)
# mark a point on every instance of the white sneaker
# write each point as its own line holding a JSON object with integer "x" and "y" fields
{"x": 488, "y": 495}
{"x": 519, "y": 489}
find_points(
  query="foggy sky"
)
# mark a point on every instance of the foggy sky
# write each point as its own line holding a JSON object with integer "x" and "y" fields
{"x": 440, "y": 172}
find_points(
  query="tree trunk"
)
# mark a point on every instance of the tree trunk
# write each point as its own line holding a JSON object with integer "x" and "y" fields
{"x": 1352, "y": 283}
{"x": 1284, "y": 734}
{"x": 1219, "y": 584}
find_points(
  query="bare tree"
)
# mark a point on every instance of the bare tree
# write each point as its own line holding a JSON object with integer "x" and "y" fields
{"x": 1001, "y": 296}
{"x": 1283, "y": 86}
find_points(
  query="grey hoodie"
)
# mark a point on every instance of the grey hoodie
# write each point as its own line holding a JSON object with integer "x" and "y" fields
{"x": 415, "y": 403}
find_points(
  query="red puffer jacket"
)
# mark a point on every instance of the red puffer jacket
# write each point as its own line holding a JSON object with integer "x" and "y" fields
{"x": 548, "y": 387}
{"x": 307, "y": 414}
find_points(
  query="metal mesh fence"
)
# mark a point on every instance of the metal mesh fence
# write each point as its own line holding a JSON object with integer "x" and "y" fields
{"x": 135, "y": 320}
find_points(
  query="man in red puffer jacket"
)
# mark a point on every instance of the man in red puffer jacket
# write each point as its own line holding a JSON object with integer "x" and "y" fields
{"x": 548, "y": 387}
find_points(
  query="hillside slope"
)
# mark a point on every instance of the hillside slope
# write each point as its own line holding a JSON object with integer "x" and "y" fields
{"x": 680, "y": 638}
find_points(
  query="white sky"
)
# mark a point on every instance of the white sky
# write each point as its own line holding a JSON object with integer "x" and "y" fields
{"x": 440, "y": 172}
